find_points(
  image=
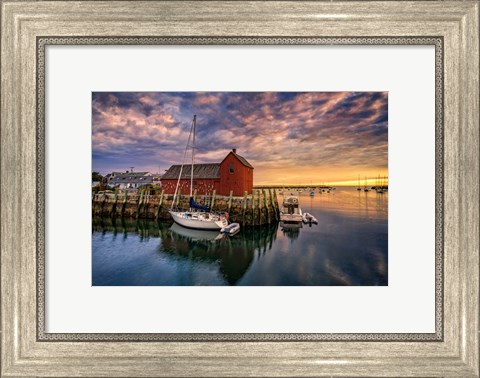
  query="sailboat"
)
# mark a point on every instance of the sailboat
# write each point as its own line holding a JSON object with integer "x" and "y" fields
{"x": 380, "y": 185}
{"x": 198, "y": 216}
{"x": 365, "y": 187}
{"x": 358, "y": 187}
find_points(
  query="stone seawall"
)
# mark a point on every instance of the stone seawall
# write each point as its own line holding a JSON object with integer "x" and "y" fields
{"x": 257, "y": 209}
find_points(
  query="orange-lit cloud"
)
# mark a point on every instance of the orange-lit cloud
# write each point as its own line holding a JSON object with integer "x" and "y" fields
{"x": 288, "y": 137}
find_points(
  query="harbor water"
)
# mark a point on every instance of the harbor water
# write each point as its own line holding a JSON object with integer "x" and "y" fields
{"x": 348, "y": 247}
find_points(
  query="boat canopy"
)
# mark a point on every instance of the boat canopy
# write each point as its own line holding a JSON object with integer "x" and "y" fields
{"x": 195, "y": 205}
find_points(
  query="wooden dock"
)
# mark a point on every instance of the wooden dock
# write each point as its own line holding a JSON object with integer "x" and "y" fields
{"x": 257, "y": 209}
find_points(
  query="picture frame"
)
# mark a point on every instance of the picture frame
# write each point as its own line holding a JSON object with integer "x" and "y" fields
{"x": 26, "y": 350}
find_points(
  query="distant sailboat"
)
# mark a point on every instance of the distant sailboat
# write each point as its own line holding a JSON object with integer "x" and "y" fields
{"x": 379, "y": 186}
{"x": 365, "y": 187}
{"x": 358, "y": 187}
{"x": 198, "y": 217}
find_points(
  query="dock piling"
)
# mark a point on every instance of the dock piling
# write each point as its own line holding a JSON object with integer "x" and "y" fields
{"x": 146, "y": 204}
{"x": 265, "y": 205}
{"x": 259, "y": 206}
{"x": 253, "y": 208}
{"x": 213, "y": 199}
{"x": 122, "y": 212}
{"x": 272, "y": 203}
{"x": 114, "y": 207}
{"x": 140, "y": 201}
{"x": 275, "y": 204}
{"x": 230, "y": 200}
{"x": 160, "y": 204}
{"x": 178, "y": 197}
{"x": 103, "y": 203}
{"x": 244, "y": 207}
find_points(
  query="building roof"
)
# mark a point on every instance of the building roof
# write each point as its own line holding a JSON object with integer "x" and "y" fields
{"x": 130, "y": 174}
{"x": 200, "y": 171}
{"x": 131, "y": 177}
{"x": 240, "y": 158}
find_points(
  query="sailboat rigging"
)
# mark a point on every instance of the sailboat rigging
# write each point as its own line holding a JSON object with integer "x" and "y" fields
{"x": 198, "y": 216}
{"x": 365, "y": 189}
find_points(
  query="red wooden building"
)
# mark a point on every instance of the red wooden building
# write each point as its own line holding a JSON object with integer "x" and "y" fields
{"x": 233, "y": 173}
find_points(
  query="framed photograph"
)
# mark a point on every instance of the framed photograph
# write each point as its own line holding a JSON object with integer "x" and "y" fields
{"x": 218, "y": 214}
{"x": 240, "y": 188}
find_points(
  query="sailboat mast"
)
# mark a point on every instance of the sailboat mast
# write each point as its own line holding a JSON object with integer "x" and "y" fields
{"x": 193, "y": 154}
{"x": 181, "y": 168}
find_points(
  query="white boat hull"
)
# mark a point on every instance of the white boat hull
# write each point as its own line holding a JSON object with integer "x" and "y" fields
{"x": 199, "y": 220}
{"x": 291, "y": 217}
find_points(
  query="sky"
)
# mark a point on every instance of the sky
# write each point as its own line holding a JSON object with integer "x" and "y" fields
{"x": 289, "y": 137}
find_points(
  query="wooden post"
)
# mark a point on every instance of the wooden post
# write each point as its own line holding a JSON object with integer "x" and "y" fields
{"x": 124, "y": 202}
{"x": 140, "y": 201}
{"x": 114, "y": 207}
{"x": 265, "y": 205}
{"x": 244, "y": 207}
{"x": 103, "y": 203}
{"x": 271, "y": 203}
{"x": 253, "y": 208}
{"x": 146, "y": 203}
{"x": 195, "y": 195}
{"x": 159, "y": 205}
{"x": 259, "y": 211}
{"x": 275, "y": 204}
{"x": 213, "y": 199}
{"x": 178, "y": 197}
{"x": 230, "y": 200}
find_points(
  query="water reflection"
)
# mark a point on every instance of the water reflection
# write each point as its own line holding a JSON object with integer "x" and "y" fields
{"x": 349, "y": 246}
{"x": 232, "y": 255}
{"x": 291, "y": 230}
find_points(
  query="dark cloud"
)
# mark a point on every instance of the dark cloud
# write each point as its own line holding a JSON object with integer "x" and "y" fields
{"x": 319, "y": 130}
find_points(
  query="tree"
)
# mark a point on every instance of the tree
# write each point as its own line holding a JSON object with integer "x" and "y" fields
{"x": 96, "y": 176}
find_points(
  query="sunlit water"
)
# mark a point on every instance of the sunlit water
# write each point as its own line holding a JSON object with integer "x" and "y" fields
{"x": 349, "y": 246}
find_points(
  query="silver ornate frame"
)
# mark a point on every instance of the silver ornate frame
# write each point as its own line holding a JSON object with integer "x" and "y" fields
{"x": 43, "y": 42}
{"x": 453, "y": 350}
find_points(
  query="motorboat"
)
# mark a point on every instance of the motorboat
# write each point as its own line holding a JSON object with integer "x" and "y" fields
{"x": 291, "y": 211}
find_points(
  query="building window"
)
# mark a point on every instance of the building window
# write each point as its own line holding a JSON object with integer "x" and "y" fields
{"x": 231, "y": 168}
{"x": 194, "y": 183}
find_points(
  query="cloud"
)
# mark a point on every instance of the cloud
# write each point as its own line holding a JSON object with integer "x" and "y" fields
{"x": 318, "y": 132}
